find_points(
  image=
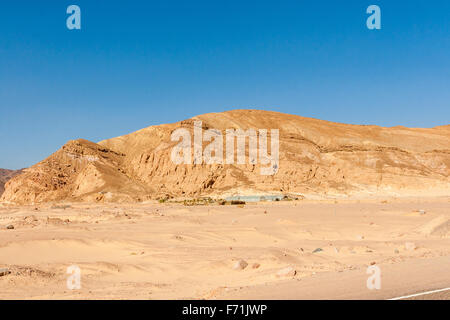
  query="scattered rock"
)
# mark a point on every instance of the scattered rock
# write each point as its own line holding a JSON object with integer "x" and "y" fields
{"x": 396, "y": 251}
{"x": 256, "y": 265}
{"x": 55, "y": 221}
{"x": 422, "y": 212}
{"x": 410, "y": 246}
{"x": 360, "y": 237}
{"x": 373, "y": 263}
{"x": 4, "y": 272}
{"x": 10, "y": 227}
{"x": 240, "y": 265}
{"x": 287, "y": 272}
{"x": 317, "y": 250}
{"x": 27, "y": 271}
{"x": 31, "y": 218}
{"x": 64, "y": 207}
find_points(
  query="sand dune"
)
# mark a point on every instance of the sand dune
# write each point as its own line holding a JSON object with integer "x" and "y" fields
{"x": 437, "y": 226}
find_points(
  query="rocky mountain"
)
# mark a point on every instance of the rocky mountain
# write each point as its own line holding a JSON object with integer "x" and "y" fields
{"x": 315, "y": 158}
{"x": 6, "y": 175}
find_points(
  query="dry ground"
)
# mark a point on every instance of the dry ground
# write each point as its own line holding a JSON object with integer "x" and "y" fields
{"x": 171, "y": 251}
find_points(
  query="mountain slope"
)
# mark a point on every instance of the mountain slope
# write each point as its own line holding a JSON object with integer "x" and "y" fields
{"x": 5, "y": 175}
{"x": 315, "y": 157}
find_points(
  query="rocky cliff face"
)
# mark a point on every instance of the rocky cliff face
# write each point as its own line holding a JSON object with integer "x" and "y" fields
{"x": 80, "y": 170}
{"x": 5, "y": 175}
{"x": 315, "y": 157}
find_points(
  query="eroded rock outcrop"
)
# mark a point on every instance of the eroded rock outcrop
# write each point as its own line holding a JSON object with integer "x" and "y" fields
{"x": 315, "y": 157}
{"x": 5, "y": 176}
{"x": 79, "y": 170}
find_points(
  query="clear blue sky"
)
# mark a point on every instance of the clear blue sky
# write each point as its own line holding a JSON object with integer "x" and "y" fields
{"x": 140, "y": 63}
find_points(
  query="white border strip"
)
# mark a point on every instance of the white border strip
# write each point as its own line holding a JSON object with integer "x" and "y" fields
{"x": 420, "y": 294}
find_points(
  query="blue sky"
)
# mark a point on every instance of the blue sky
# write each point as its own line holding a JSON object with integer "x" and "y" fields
{"x": 140, "y": 63}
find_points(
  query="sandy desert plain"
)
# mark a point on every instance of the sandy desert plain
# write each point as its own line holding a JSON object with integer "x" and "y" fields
{"x": 163, "y": 251}
{"x": 363, "y": 196}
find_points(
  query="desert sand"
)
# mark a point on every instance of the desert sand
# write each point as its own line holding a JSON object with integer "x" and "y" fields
{"x": 305, "y": 249}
